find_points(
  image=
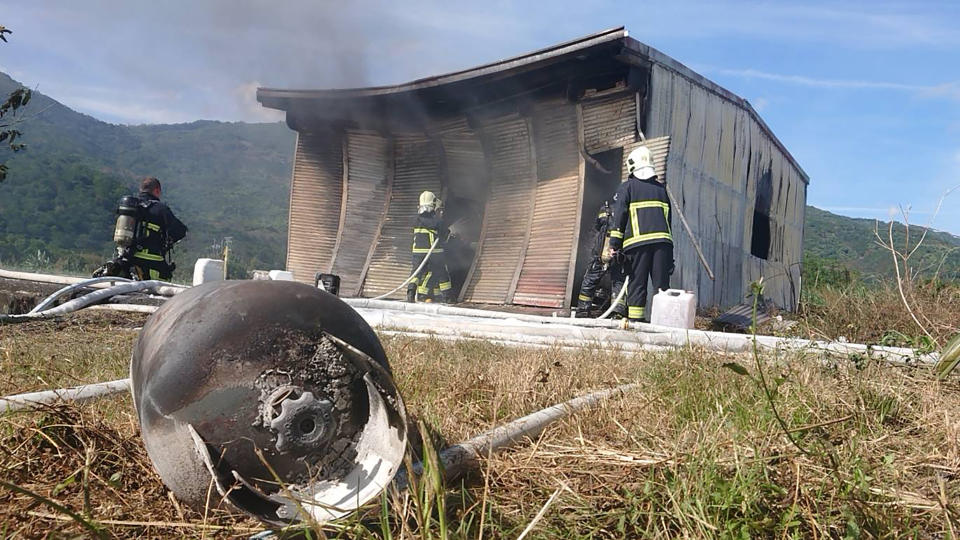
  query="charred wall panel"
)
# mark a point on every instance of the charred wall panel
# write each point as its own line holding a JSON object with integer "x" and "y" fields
{"x": 719, "y": 154}
{"x": 609, "y": 122}
{"x": 507, "y": 215}
{"x": 315, "y": 201}
{"x": 465, "y": 196}
{"x": 416, "y": 169}
{"x": 368, "y": 180}
{"x": 551, "y": 245}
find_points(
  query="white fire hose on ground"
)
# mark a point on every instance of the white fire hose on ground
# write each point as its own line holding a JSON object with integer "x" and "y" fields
{"x": 168, "y": 289}
{"x": 615, "y": 301}
{"x": 38, "y": 400}
{"x": 86, "y": 300}
{"x": 76, "y": 286}
{"x": 413, "y": 275}
{"x": 459, "y": 458}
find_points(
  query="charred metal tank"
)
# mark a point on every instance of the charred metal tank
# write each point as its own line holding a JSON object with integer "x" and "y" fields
{"x": 278, "y": 393}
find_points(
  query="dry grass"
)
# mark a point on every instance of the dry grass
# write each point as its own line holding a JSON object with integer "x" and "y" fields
{"x": 694, "y": 452}
{"x": 876, "y": 314}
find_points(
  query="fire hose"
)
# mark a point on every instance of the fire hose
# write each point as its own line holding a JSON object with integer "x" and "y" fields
{"x": 615, "y": 301}
{"x": 47, "y": 302}
{"x": 79, "y": 303}
{"x": 413, "y": 275}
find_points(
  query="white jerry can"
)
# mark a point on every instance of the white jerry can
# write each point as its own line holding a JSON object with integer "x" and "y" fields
{"x": 280, "y": 275}
{"x": 207, "y": 270}
{"x": 673, "y": 307}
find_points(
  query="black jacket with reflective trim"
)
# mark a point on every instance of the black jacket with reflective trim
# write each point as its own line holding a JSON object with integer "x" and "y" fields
{"x": 426, "y": 229}
{"x": 641, "y": 214}
{"x": 158, "y": 228}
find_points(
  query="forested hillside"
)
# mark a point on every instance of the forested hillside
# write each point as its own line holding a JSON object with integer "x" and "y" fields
{"x": 222, "y": 179}
{"x": 836, "y": 242}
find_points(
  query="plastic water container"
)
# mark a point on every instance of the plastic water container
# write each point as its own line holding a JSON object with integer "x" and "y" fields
{"x": 281, "y": 275}
{"x": 673, "y": 307}
{"x": 207, "y": 270}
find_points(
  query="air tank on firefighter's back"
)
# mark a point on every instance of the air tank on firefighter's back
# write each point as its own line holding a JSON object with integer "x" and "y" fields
{"x": 126, "y": 229}
{"x": 276, "y": 392}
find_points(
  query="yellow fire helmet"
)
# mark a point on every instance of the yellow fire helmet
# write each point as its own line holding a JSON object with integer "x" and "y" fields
{"x": 428, "y": 202}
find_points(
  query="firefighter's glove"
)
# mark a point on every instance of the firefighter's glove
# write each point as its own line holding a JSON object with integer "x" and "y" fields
{"x": 608, "y": 255}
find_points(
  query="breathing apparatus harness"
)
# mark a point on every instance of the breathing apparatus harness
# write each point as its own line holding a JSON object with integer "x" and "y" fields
{"x": 128, "y": 235}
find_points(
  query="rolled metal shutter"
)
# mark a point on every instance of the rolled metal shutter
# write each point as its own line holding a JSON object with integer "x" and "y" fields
{"x": 507, "y": 216}
{"x": 368, "y": 164}
{"x": 416, "y": 169}
{"x": 609, "y": 122}
{"x": 315, "y": 200}
{"x": 550, "y": 248}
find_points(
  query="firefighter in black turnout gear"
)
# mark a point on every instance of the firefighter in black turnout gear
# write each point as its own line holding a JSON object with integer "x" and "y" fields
{"x": 433, "y": 280}
{"x": 597, "y": 267}
{"x": 641, "y": 231}
{"x": 157, "y": 231}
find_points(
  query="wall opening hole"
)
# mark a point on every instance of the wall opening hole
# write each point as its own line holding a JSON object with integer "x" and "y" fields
{"x": 760, "y": 240}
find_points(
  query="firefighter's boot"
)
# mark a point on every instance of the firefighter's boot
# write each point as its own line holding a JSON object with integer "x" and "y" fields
{"x": 412, "y": 294}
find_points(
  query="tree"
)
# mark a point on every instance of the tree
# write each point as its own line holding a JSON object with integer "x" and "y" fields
{"x": 8, "y": 114}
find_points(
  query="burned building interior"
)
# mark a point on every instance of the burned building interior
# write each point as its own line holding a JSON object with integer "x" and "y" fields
{"x": 524, "y": 151}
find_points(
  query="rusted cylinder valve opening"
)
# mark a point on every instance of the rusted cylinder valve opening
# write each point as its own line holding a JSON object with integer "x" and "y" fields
{"x": 278, "y": 391}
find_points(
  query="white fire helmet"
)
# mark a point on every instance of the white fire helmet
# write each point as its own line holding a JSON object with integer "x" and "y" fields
{"x": 428, "y": 202}
{"x": 640, "y": 163}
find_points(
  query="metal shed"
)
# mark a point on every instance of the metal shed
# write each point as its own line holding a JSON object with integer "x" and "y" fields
{"x": 524, "y": 151}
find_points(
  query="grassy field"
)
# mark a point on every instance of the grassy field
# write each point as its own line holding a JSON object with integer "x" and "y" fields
{"x": 696, "y": 451}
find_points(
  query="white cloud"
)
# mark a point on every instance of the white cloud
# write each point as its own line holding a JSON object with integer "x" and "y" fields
{"x": 872, "y": 25}
{"x": 127, "y": 113}
{"x": 950, "y": 90}
{"x": 760, "y": 104}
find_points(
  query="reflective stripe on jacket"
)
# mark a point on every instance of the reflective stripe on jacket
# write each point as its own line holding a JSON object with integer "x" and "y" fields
{"x": 641, "y": 214}
{"x": 158, "y": 228}
{"x": 427, "y": 229}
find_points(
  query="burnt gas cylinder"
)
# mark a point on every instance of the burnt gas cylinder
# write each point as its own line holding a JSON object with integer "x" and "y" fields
{"x": 277, "y": 393}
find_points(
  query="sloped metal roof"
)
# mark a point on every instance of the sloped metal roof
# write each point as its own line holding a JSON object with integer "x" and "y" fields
{"x": 452, "y": 90}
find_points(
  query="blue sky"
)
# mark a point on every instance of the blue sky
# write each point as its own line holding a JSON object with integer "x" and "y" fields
{"x": 866, "y": 95}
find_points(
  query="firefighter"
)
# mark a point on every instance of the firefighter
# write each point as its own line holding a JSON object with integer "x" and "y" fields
{"x": 157, "y": 230}
{"x": 641, "y": 231}
{"x": 433, "y": 280}
{"x": 597, "y": 267}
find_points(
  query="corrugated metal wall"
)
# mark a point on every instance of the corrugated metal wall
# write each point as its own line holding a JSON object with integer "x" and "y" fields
{"x": 416, "y": 169}
{"x": 550, "y": 248}
{"x": 508, "y": 213}
{"x": 315, "y": 200}
{"x": 368, "y": 177}
{"x": 714, "y": 145}
{"x": 609, "y": 122}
